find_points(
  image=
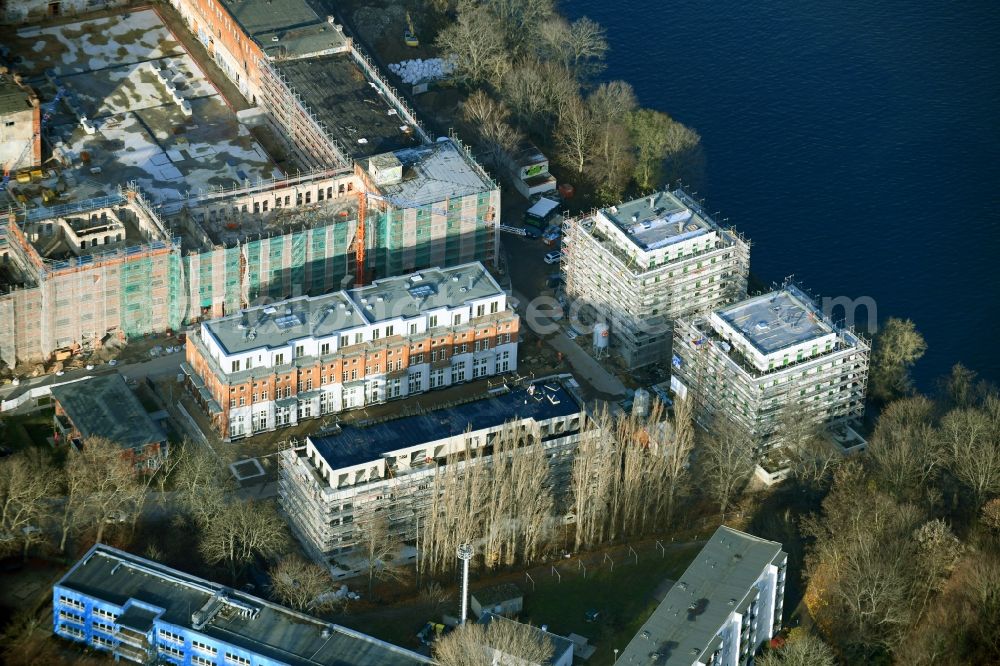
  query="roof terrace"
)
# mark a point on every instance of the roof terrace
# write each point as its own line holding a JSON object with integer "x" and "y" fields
{"x": 656, "y": 221}
{"x": 360, "y": 445}
{"x": 778, "y": 320}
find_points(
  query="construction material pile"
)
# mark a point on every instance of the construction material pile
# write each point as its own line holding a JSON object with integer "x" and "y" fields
{"x": 418, "y": 70}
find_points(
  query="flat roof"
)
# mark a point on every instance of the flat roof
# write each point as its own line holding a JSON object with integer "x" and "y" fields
{"x": 277, "y": 324}
{"x": 713, "y": 586}
{"x": 657, "y": 221}
{"x": 286, "y": 28}
{"x": 105, "y": 406}
{"x": 355, "y": 445}
{"x": 542, "y": 207}
{"x": 433, "y": 173}
{"x": 777, "y": 320}
{"x": 430, "y": 289}
{"x": 343, "y": 98}
{"x": 278, "y": 633}
{"x": 13, "y": 98}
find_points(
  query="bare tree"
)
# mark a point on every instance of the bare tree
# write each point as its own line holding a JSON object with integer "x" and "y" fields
{"x": 970, "y": 436}
{"x": 300, "y": 584}
{"x": 897, "y": 347}
{"x": 516, "y": 21}
{"x": 514, "y": 525}
{"x": 380, "y": 548}
{"x": 201, "y": 484}
{"x": 726, "y": 462}
{"x": 536, "y": 93}
{"x": 26, "y": 485}
{"x": 490, "y": 119}
{"x": 614, "y": 152}
{"x": 101, "y": 488}
{"x": 593, "y": 486}
{"x": 501, "y": 641}
{"x": 805, "y": 442}
{"x": 905, "y": 450}
{"x": 801, "y": 649}
{"x": 658, "y": 138}
{"x": 241, "y": 531}
{"x": 476, "y": 45}
{"x": 579, "y": 46}
{"x": 677, "y": 457}
{"x": 574, "y": 135}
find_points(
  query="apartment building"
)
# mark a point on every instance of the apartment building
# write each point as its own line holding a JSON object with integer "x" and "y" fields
{"x": 390, "y": 466}
{"x": 640, "y": 265}
{"x": 144, "y": 612}
{"x": 275, "y": 365}
{"x": 768, "y": 353}
{"x": 724, "y": 606}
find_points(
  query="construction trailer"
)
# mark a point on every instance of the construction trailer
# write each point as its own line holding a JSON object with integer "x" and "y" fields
{"x": 640, "y": 265}
{"x": 754, "y": 360}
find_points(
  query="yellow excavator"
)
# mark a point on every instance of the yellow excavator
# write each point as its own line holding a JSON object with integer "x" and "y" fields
{"x": 410, "y": 35}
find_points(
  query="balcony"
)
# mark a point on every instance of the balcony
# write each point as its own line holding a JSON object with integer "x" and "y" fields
{"x": 138, "y": 655}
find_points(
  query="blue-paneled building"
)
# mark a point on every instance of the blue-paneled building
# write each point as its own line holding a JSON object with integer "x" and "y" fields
{"x": 145, "y": 612}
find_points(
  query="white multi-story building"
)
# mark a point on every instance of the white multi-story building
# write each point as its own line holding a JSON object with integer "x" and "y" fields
{"x": 275, "y": 365}
{"x": 390, "y": 466}
{"x": 751, "y": 361}
{"x": 642, "y": 264}
{"x": 721, "y": 609}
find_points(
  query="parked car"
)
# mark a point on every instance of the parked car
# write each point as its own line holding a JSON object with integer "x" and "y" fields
{"x": 553, "y": 257}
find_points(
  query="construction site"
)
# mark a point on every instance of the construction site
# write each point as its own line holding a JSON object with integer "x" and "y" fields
{"x": 753, "y": 361}
{"x": 131, "y": 127}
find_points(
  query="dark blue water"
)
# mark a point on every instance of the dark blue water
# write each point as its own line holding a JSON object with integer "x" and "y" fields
{"x": 855, "y": 143}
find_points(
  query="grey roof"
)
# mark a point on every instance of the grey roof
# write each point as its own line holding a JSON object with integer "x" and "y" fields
{"x": 716, "y": 583}
{"x": 13, "y": 98}
{"x": 299, "y": 29}
{"x": 434, "y": 173}
{"x": 658, "y": 220}
{"x": 277, "y": 324}
{"x": 560, "y": 645}
{"x": 495, "y": 594}
{"x": 348, "y": 103}
{"x": 780, "y": 319}
{"x": 354, "y": 445}
{"x": 278, "y": 633}
{"x": 105, "y": 406}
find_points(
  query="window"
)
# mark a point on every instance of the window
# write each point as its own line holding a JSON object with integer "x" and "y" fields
{"x": 413, "y": 329}
{"x": 171, "y": 651}
{"x": 236, "y": 366}
{"x": 101, "y": 642}
{"x": 480, "y": 310}
{"x": 72, "y": 631}
{"x": 236, "y": 659}
{"x": 417, "y": 358}
{"x": 389, "y": 330}
{"x": 324, "y": 349}
{"x": 105, "y": 627}
{"x": 416, "y": 382}
{"x": 300, "y": 351}
{"x": 463, "y": 348}
{"x": 70, "y": 617}
{"x": 359, "y": 338}
{"x": 263, "y": 395}
{"x": 354, "y": 373}
{"x": 243, "y": 401}
{"x": 72, "y": 603}
{"x": 456, "y": 320}
{"x": 201, "y": 661}
{"x": 494, "y": 307}
{"x": 376, "y": 334}
{"x": 288, "y": 391}
{"x": 432, "y": 321}
{"x": 104, "y": 614}
{"x": 279, "y": 359}
{"x": 344, "y": 340}
{"x": 204, "y": 647}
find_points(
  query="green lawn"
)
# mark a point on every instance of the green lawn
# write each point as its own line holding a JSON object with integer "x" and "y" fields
{"x": 623, "y": 596}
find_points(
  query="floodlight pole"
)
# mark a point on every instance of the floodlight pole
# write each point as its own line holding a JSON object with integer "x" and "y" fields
{"x": 464, "y": 553}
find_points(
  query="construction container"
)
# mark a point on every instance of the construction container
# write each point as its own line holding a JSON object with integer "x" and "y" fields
{"x": 24, "y": 177}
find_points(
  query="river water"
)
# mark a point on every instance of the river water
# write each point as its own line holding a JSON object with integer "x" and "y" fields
{"x": 855, "y": 143}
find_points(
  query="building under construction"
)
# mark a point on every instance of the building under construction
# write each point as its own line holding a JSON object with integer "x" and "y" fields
{"x": 390, "y": 466}
{"x": 754, "y": 360}
{"x": 640, "y": 265}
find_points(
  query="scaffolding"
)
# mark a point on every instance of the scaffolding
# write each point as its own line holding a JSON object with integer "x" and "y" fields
{"x": 828, "y": 388}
